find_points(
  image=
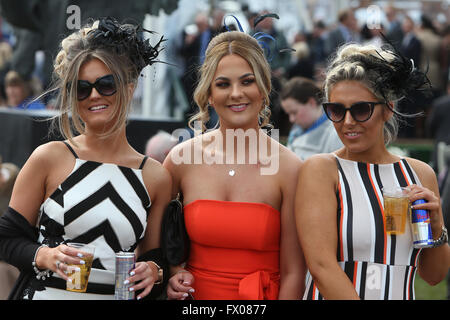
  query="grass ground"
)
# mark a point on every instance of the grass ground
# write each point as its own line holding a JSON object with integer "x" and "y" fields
{"x": 426, "y": 292}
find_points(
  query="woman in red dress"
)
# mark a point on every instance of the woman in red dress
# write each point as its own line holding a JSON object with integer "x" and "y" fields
{"x": 238, "y": 185}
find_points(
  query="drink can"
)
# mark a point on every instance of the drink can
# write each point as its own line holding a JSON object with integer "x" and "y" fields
{"x": 420, "y": 226}
{"x": 124, "y": 264}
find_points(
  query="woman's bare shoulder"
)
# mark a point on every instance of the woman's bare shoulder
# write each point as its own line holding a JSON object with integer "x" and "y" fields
{"x": 424, "y": 171}
{"x": 180, "y": 154}
{"x": 320, "y": 166}
{"x": 155, "y": 172}
{"x": 50, "y": 153}
{"x": 321, "y": 161}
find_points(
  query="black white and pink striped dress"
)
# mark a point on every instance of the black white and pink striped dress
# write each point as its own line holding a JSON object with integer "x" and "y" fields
{"x": 380, "y": 266}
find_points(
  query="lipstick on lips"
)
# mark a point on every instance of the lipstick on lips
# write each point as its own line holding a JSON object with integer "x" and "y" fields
{"x": 98, "y": 108}
{"x": 238, "y": 107}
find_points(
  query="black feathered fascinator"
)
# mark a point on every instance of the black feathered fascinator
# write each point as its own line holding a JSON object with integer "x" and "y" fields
{"x": 397, "y": 78}
{"x": 126, "y": 39}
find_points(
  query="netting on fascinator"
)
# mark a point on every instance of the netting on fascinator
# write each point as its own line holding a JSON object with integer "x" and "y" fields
{"x": 126, "y": 39}
{"x": 263, "y": 38}
{"x": 397, "y": 77}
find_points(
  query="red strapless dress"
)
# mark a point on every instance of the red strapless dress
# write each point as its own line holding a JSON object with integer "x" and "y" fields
{"x": 235, "y": 250}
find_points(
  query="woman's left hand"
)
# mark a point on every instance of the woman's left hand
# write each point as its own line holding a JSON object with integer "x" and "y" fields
{"x": 143, "y": 276}
{"x": 432, "y": 204}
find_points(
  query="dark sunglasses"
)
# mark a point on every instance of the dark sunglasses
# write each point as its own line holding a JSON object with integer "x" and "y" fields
{"x": 105, "y": 85}
{"x": 360, "y": 111}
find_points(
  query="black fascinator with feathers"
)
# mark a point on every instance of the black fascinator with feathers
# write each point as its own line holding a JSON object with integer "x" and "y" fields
{"x": 397, "y": 78}
{"x": 125, "y": 39}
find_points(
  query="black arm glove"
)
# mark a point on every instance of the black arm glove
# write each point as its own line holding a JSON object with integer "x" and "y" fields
{"x": 18, "y": 240}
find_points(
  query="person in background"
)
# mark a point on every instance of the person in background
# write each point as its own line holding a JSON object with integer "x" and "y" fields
{"x": 8, "y": 175}
{"x": 6, "y": 52}
{"x": 195, "y": 36}
{"x": 339, "y": 203}
{"x": 372, "y": 35}
{"x": 317, "y": 44}
{"x": 303, "y": 63}
{"x": 438, "y": 124}
{"x": 280, "y": 62}
{"x": 346, "y": 31}
{"x": 19, "y": 93}
{"x": 411, "y": 48}
{"x": 195, "y": 40}
{"x": 238, "y": 212}
{"x": 158, "y": 146}
{"x": 93, "y": 187}
{"x": 431, "y": 59}
{"x": 313, "y": 133}
{"x": 8, "y": 273}
{"x": 445, "y": 55}
{"x": 394, "y": 32}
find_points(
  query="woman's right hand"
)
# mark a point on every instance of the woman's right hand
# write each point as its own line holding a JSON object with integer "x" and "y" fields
{"x": 179, "y": 287}
{"x": 57, "y": 259}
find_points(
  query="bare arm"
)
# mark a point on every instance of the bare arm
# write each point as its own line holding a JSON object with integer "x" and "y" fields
{"x": 30, "y": 186}
{"x": 316, "y": 208}
{"x": 174, "y": 169}
{"x": 433, "y": 262}
{"x": 159, "y": 185}
{"x": 181, "y": 280}
{"x": 48, "y": 165}
{"x": 292, "y": 262}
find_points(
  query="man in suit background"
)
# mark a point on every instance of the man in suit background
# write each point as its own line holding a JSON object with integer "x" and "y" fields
{"x": 410, "y": 45}
{"x": 346, "y": 31}
{"x": 411, "y": 48}
{"x": 394, "y": 31}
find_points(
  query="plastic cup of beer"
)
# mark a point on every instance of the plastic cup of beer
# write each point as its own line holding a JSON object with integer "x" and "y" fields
{"x": 396, "y": 209}
{"x": 79, "y": 273}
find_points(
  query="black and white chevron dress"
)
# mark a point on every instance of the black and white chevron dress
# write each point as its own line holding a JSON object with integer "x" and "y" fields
{"x": 99, "y": 203}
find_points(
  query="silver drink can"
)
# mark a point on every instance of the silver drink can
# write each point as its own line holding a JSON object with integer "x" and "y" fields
{"x": 124, "y": 264}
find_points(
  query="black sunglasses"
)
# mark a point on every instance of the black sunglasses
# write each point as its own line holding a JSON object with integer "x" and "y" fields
{"x": 105, "y": 85}
{"x": 360, "y": 111}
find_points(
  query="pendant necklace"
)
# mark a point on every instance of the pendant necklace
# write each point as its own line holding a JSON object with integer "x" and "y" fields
{"x": 231, "y": 173}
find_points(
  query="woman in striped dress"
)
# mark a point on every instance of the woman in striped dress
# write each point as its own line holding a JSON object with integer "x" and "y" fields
{"x": 339, "y": 204}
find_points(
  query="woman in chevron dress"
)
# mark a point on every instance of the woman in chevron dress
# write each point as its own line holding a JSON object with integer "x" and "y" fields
{"x": 93, "y": 188}
{"x": 339, "y": 204}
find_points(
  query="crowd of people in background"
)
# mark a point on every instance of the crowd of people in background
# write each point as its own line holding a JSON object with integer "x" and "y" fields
{"x": 297, "y": 77}
{"x": 424, "y": 41}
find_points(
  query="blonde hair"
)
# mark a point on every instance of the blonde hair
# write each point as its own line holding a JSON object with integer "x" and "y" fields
{"x": 76, "y": 50}
{"x": 347, "y": 66}
{"x": 227, "y": 43}
{"x": 301, "y": 50}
